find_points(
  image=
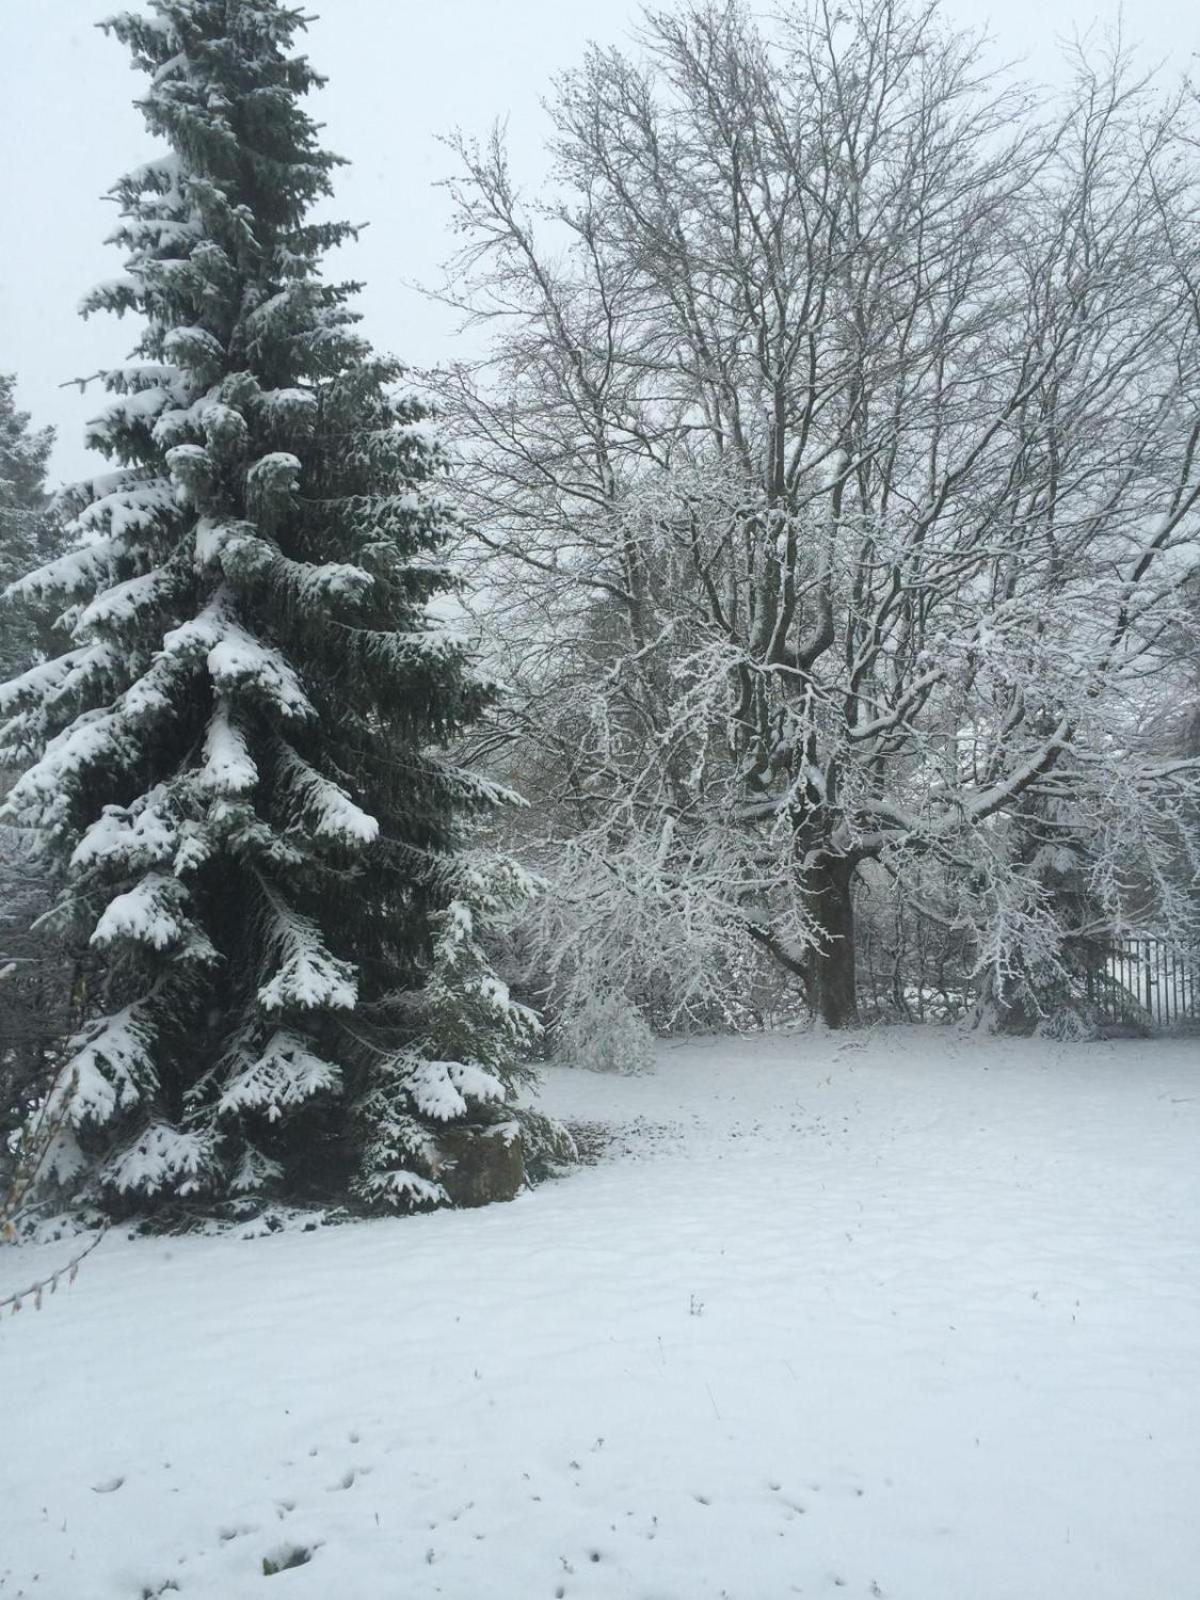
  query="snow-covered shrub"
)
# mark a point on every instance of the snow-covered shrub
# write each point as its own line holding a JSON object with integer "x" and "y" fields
{"x": 1084, "y": 1009}
{"x": 1069, "y": 1024}
{"x": 462, "y": 1070}
{"x": 605, "y": 1034}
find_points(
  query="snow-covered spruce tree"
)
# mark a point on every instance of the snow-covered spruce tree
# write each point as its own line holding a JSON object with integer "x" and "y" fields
{"x": 237, "y": 761}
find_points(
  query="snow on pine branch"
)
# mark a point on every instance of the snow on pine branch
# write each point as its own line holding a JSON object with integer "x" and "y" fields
{"x": 323, "y": 804}
{"x": 239, "y": 662}
{"x": 142, "y": 834}
{"x": 124, "y": 605}
{"x": 307, "y": 976}
{"x": 76, "y": 572}
{"x": 444, "y": 1090}
{"x": 161, "y": 1157}
{"x": 61, "y": 678}
{"x": 151, "y": 913}
{"x": 109, "y": 1066}
{"x": 243, "y": 554}
{"x": 40, "y": 798}
{"x": 287, "y": 1073}
{"x": 135, "y": 504}
{"x": 228, "y": 767}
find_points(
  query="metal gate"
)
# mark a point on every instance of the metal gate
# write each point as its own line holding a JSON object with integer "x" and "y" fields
{"x": 1157, "y": 979}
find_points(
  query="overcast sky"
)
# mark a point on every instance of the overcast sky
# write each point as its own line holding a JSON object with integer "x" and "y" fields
{"x": 400, "y": 73}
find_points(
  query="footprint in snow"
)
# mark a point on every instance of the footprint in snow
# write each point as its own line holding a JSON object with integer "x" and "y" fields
{"x": 109, "y": 1486}
{"x": 348, "y": 1479}
{"x": 284, "y": 1557}
{"x": 236, "y": 1530}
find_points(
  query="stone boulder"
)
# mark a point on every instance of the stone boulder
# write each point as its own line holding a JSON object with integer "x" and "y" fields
{"x": 481, "y": 1164}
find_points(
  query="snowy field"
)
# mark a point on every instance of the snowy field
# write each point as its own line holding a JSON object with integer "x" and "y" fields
{"x": 910, "y": 1315}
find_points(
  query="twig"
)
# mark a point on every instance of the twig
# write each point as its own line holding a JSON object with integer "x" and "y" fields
{"x": 39, "y": 1287}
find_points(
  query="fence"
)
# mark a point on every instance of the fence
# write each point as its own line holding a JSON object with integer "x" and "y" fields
{"x": 1150, "y": 976}
{"x": 911, "y": 971}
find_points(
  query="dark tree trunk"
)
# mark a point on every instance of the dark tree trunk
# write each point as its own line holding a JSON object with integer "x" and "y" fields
{"x": 833, "y": 991}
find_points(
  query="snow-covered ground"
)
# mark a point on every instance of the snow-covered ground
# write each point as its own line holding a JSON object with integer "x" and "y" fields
{"x": 910, "y": 1314}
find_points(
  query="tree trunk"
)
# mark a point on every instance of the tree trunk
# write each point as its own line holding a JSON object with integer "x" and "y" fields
{"x": 833, "y": 991}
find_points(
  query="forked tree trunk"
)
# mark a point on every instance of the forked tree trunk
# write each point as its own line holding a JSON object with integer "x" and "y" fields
{"x": 833, "y": 991}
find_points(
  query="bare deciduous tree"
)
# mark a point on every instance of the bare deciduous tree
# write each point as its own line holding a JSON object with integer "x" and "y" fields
{"x": 837, "y": 452}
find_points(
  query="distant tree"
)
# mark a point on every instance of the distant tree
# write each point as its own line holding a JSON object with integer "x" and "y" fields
{"x": 837, "y": 449}
{"x": 237, "y": 762}
{"x": 33, "y": 984}
{"x": 30, "y": 532}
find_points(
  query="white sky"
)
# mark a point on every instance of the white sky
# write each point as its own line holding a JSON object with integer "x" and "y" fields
{"x": 400, "y": 73}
